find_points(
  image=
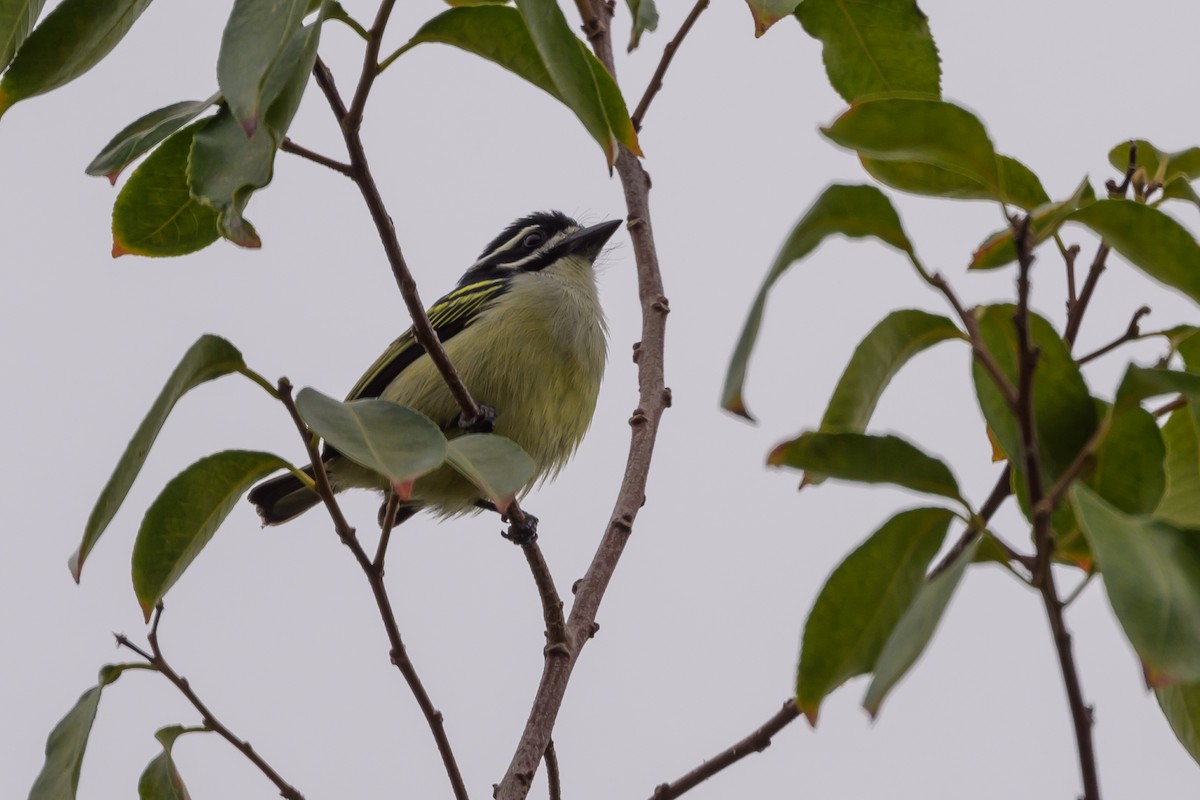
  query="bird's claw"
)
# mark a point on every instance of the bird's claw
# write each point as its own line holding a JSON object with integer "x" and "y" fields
{"x": 524, "y": 532}
{"x": 483, "y": 422}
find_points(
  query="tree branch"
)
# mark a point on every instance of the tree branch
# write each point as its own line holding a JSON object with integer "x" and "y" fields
{"x": 756, "y": 742}
{"x": 1075, "y": 312}
{"x": 656, "y": 82}
{"x": 939, "y": 282}
{"x": 1131, "y": 334}
{"x": 158, "y": 661}
{"x": 289, "y": 146}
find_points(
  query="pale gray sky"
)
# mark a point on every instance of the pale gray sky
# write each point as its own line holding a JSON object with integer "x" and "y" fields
{"x": 699, "y": 632}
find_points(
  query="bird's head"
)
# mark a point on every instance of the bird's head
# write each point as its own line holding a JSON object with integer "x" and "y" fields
{"x": 538, "y": 242}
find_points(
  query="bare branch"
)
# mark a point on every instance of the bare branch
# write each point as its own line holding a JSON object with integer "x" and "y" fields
{"x": 1131, "y": 334}
{"x": 289, "y": 146}
{"x": 939, "y": 282}
{"x": 656, "y": 82}
{"x": 553, "y": 776}
{"x": 1075, "y": 312}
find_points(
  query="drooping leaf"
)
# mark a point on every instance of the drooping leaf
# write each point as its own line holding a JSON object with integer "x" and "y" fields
{"x": 393, "y": 440}
{"x": 1022, "y": 188}
{"x": 1180, "y": 704}
{"x": 878, "y": 48}
{"x": 496, "y": 465}
{"x": 1149, "y": 239}
{"x": 142, "y": 134}
{"x": 586, "y": 88}
{"x": 645, "y": 18}
{"x": 912, "y": 633}
{"x": 224, "y": 170}
{"x": 155, "y": 213}
{"x": 186, "y": 514}
{"x": 861, "y": 602}
{"x": 1045, "y": 220}
{"x": 767, "y": 12}
{"x": 72, "y": 39}
{"x": 867, "y": 459}
{"x": 290, "y": 77}
{"x": 853, "y": 211}
{"x": 1180, "y": 503}
{"x": 59, "y": 777}
{"x": 210, "y": 357}
{"x": 161, "y": 779}
{"x": 1152, "y": 577}
{"x": 255, "y": 40}
{"x": 17, "y": 18}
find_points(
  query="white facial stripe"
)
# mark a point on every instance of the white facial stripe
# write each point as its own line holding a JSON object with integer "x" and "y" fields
{"x": 528, "y": 229}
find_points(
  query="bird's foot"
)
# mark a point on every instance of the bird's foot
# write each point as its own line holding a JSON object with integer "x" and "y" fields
{"x": 483, "y": 422}
{"x": 523, "y": 532}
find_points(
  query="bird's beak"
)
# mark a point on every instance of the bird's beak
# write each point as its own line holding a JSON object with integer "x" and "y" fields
{"x": 590, "y": 241}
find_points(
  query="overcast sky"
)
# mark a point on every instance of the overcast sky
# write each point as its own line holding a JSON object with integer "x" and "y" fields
{"x": 699, "y": 632}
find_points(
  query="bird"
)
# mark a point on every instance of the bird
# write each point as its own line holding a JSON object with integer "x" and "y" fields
{"x": 526, "y": 333}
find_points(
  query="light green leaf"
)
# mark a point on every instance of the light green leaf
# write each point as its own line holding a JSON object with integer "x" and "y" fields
{"x": 496, "y": 465}
{"x": 861, "y": 602}
{"x": 17, "y": 18}
{"x": 645, "y": 18}
{"x": 144, "y": 133}
{"x": 224, "y": 170}
{"x": 1180, "y": 704}
{"x": 254, "y": 42}
{"x": 1158, "y": 163}
{"x": 155, "y": 213}
{"x": 1152, "y": 577}
{"x": 1180, "y": 503}
{"x": 385, "y": 437}
{"x": 878, "y": 48}
{"x": 210, "y": 357}
{"x": 74, "y": 37}
{"x": 1149, "y": 239}
{"x": 1021, "y": 187}
{"x": 911, "y": 635}
{"x": 1128, "y": 464}
{"x": 867, "y": 459}
{"x": 186, "y": 514}
{"x": 767, "y": 12}
{"x": 1045, "y": 220}
{"x": 161, "y": 779}
{"x": 853, "y": 211}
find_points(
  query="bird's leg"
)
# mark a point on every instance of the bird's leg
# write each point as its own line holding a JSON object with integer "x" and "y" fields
{"x": 483, "y": 422}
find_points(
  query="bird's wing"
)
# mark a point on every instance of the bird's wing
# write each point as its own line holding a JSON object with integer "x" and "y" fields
{"x": 448, "y": 316}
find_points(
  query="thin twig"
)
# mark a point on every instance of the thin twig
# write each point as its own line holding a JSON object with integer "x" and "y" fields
{"x": 1131, "y": 334}
{"x": 939, "y": 282}
{"x": 385, "y": 531}
{"x": 1178, "y": 402}
{"x": 653, "y": 399}
{"x": 289, "y": 146}
{"x": 656, "y": 81}
{"x": 1075, "y": 313}
{"x": 593, "y": 27}
{"x": 158, "y": 661}
{"x": 553, "y": 776}
{"x": 756, "y": 742}
{"x": 1069, "y": 256}
{"x": 370, "y": 68}
{"x": 1000, "y": 492}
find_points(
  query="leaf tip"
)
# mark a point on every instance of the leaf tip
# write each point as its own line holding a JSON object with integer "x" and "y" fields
{"x": 776, "y": 456}
{"x": 403, "y": 489}
{"x": 737, "y": 405}
{"x": 75, "y": 564}
{"x": 119, "y": 250}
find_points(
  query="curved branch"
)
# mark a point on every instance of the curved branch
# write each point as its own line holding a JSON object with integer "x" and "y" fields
{"x": 656, "y": 82}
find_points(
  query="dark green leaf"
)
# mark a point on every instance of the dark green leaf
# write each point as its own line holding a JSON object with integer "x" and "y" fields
{"x": 1149, "y": 239}
{"x": 861, "y": 602}
{"x": 585, "y": 87}
{"x": 155, "y": 213}
{"x": 1140, "y": 383}
{"x": 1152, "y": 577}
{"x": 767, "y": 12}
{"x": 186, "y": 514}
{"x": 225, "y": 169}
{"x": 161, "y": 780}
{"x": 911, "y": 635}
{"x": 1064, "y": 414}
{"x": 1180, "y": 704}
{"x": 254, "y": 42}
{"x": 1180, "y": 504}
{"x": 289, "y": 78}
{"x": 210, "y": 357}
{"x": 1128, "y": 470}
{"x": 1021, "y": 187}
{"x": 645, "y": 18}
{"x": 17, "y": 18}
{"x": 496, "y": 465}
{"x": 878, "y": 48}
{"x": 867, "y": 459}
{"x": 385, "y": 437}
{"x": 72, "y": 39}
{"x": 59, "y": 778}
{"x": 1045, "y": 220}
{"x": 139, "y": 136}
{"x": 853, "y": 211}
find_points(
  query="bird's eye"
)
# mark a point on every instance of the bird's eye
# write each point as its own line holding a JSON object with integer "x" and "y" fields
{"x": 534, "y": 239}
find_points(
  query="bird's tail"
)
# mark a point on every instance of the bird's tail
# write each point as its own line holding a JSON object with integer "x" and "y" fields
{"x": 280, "y": 499}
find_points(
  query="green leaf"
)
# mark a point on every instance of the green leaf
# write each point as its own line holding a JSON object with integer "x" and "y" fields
{"x": 210, "y": 357}
{"x": 911, "y": 635}
{"x": 1141, "y": 383}
{"x": 72, "y": 39}
{"x": 767, "y": 12}
{"x": 645, "y": 18}
{"x": 141, "y": 135}
{"x": 155, "y": 213}
{"x": 16, "y": 21}
{"x": 492, "y": 32}
{"x": 1045, "y": 220}
{"x": 186, "y": 514}
{"x": 1149, "y": 239}
{"x": 255, "y": 40}
{"x": 1152, "y": 577}
{"x": 1180, "y": 188}
{"x": 867, "y": 459}
{"x": 1180, "y": 503}
{"x": 1180, "y": 704}
{"x": 161, "y": 779}
{"x": 1021, "y": 187}
{"x": 385, "y": 437}
{"x": 585, "y": 87}
{"x": 224, "y": 170}
{"x": 1064, "y": 414}
{"x": 853, "y": 211}
{"x": 286, "y": 84}
{"x": 1185, "y": 163}
{"x": 861, "y": 602}
{"x": 878, "y": 48}
{"x": 59, "y": 778}
{"x": 1128, "y": 470}
{"x": 496, "y": 465}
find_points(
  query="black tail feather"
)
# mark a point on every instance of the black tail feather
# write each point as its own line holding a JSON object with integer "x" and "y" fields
{"x": 283, "y": 498}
